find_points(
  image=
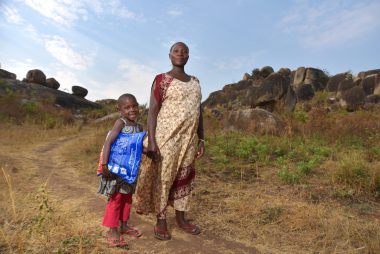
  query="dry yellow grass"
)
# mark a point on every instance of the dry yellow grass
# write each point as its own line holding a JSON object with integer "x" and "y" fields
{"x": 327, "y": 214}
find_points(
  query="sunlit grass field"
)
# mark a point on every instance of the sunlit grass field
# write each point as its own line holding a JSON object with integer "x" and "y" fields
{"x": 314, "y": 190}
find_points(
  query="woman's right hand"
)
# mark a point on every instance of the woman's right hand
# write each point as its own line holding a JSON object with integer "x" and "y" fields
{"x": 154, "y": 151}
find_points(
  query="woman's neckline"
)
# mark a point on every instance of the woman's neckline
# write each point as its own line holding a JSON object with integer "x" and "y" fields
{"x": 191, "y": 77}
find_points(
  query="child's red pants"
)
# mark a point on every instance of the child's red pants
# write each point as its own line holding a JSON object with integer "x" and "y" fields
{"x": 118, "y": 208}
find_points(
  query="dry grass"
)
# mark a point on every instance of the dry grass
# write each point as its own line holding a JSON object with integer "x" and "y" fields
{"x": 239, "y": 196}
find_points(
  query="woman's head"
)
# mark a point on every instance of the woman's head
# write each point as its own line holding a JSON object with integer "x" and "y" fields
{"x": 128, "y": 107}
{"x": 179, "y": 54}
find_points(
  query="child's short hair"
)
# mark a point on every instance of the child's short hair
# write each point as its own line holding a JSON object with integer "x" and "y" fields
{"x": 125, "y": 96}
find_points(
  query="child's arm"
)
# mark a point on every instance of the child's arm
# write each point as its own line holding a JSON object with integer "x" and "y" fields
{"x": 119, "y": 124}
{"x": 140, "y": 129}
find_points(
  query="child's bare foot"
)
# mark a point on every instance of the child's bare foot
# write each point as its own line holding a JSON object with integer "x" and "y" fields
{"x": 113, "y": 233}
{"x": 115, "y": 239}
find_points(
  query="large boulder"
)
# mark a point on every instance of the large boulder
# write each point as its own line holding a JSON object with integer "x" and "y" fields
{"x": 304, "y": 92}
{"x": 353, "y": 98}
{"x": 333, "y": 83}
{"x": 255, "y": 120}
{"x": 272, "y": 94}
{"x": 7, "y": 75}
{"x": 246, "y": 76}
{"x": 344, "y": 85}
{"x": 284, "y": 71}
{"x": 52, "y": 83}
{"x": 79, "y": 91}
{"x": 316, "y": 78}
{"x": 272, "y": 88}
{"x": 368, "y": 84}
{"x": 288, "y": 101}
{"x": 364, "y": 74}
{"x": 216, "y": 98}
{"x": 299, "y": 77}
{"x": 266, "y": 71}
{"x": 373, "y": 98}
{"x": 376, "y": 91}
{"x": 35, "y": 76}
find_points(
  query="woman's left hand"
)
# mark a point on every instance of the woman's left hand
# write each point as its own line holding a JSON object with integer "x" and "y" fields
{"x": 201, "y": 150}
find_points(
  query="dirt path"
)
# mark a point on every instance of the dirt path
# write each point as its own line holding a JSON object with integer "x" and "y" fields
{"x": 63, "y": 183}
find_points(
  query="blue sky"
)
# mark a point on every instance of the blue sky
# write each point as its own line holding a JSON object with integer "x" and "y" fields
{"x": 113, "y": 47}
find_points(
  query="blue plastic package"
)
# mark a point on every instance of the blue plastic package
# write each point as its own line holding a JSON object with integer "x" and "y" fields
{"x": 125, "y": 155}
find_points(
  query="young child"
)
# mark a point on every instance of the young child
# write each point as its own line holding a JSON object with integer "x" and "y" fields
{"x": 118, "y": 191}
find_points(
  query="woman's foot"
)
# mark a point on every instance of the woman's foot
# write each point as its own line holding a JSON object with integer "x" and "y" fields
{"x": 161, "y": 230}
{"x": 185, "y": 225}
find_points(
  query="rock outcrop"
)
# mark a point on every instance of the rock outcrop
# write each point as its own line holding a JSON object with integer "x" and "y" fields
{"x": 79, "y": 91}
{"x": 255, "y": 120}
{"x": 7, "y": 75}
{"x": 34, "y": 91}
{"x": 35, "y": 76}
{"x": 280, "y": 91}
{"x": 353, "y": 98}
{"x": 52, "y": 83}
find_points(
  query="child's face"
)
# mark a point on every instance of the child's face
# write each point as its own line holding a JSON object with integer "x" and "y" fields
{"x": 129, "y": 109}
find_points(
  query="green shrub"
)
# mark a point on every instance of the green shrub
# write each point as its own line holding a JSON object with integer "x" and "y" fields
{"x": 287, "y": 176}
{"x": 30, "y": 107}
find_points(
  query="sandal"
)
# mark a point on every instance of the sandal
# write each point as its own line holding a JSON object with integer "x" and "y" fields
{"x": 123, "y": 243}
{"x": 116, "y": 242}
{"x": 161, "y": 234}
{"x": 190, "y": 228}
{"x": 132, "y": 231}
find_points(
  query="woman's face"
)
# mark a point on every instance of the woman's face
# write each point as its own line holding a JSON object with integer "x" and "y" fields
{"x": 179, "y": 54}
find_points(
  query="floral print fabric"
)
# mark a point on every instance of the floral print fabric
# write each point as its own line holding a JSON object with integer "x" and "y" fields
{"x": 171, "y": 180}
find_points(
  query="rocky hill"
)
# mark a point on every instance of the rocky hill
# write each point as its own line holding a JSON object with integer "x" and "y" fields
{"x": 280, "y": 91}
{"x": 36, "y": 87}
{"x": 257, "y": 101}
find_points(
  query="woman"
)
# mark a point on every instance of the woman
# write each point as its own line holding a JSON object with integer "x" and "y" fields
{"x": 175, "y": 140}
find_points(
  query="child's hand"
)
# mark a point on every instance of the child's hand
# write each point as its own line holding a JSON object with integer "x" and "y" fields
{"x": 105, "y": 171}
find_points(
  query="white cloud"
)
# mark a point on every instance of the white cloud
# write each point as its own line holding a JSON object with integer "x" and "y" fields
{"x": 11, "y": 15}
{"x": 238, "y": 62}
{"x": 63, "y": 52}
{"x": 135, "y": 79}
{"x": 63, "y": 12}
{"x": 175, "y": 13}
{"x": 331, "y": 23}
{"x": 67, "y": 79}
{"x": 66, "y": 12}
